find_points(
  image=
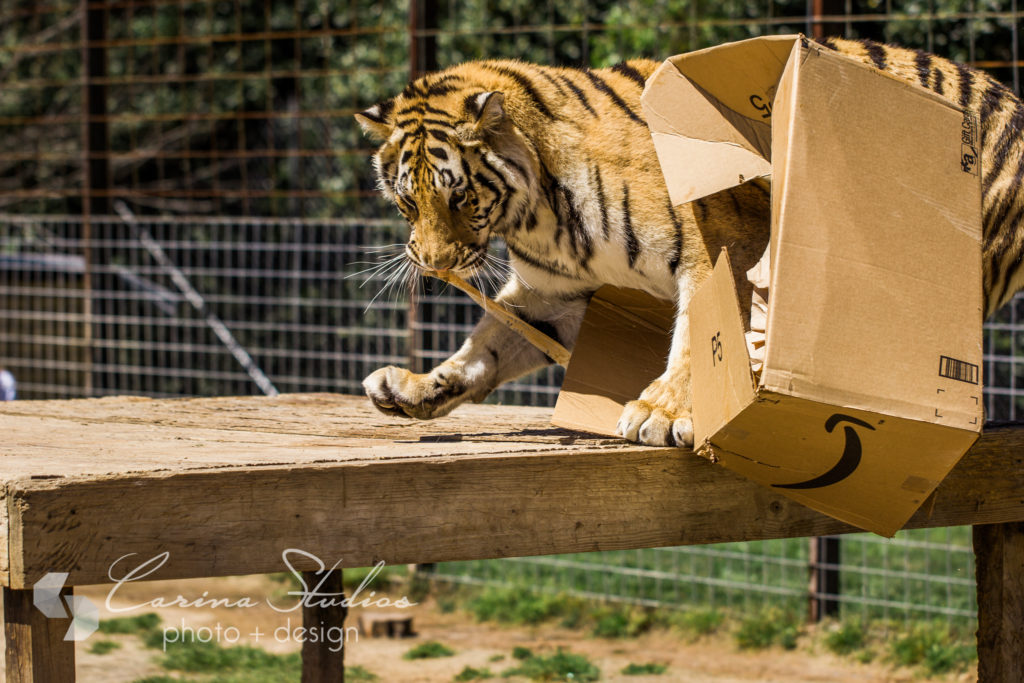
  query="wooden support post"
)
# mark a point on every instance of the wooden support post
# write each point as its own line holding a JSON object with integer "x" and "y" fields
{"x": 36, "y": 649}
{"x": 823, "y": 591}
{"x": 999, "y": 558}
{"x": 319, "y": 663}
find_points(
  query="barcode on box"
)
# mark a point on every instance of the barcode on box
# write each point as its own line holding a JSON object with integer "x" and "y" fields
{"x": 960, "y": 370}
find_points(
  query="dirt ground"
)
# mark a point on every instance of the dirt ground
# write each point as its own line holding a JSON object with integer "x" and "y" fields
{"x": 712, "y": 659}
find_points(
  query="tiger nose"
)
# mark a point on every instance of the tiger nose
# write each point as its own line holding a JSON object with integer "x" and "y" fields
{"x": 443, "y": 261}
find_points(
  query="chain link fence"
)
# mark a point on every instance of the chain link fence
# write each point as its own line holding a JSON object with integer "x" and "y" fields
{"x": 188, "y": 207}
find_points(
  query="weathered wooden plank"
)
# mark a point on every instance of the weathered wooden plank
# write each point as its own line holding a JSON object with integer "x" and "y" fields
{"x": 36, "y": 649}
{"x": 323, "y": 659}
{"x": 999, "y": 554}
{"x": 471, "y": 505}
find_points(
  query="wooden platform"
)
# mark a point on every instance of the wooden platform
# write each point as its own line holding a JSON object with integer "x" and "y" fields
{"x": 225, "y": 485}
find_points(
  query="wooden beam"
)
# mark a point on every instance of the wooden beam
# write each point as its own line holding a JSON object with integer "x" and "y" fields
{"x": 323, "y": 659}
{"x": 36, "y": 649}
{"x": 999, "y": 554}
{"x": 439, "y": 508}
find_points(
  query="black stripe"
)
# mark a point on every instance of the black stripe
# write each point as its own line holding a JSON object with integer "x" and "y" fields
{"x": 413, "y": 109}
{"x": 630, "y": 73}
{"x": 412, "y": 90}
{"x": 737, "y": 207}
{"x": 939, "y": 79}
{"x": 614, "y": 96}
{"x": 438, "y": 152}
{"x": 997, "y": 222}
{"x": 516, "y": 166}
{"x": 677, "y": 251}
{"x": 497, "y": 175}
{"x": 486, "y": 182}
{"x": 699, "y": 208}
{"x": 550, "y": 79}
{"x": 579, "y": 94}
{"x": 876, "y": 51}
{"x": 525, "y": 84}
{"x": 828, "y": 42}
{"x": 632, "y": 245}
{"x": 605, "y": 227}
{"x": 582, "y": 245}
{"x": 966, "y": 79}
{"x": 438, "y": 122}
{"x": 923, "y": 61}
{"x": 532, "y": 261}
{"x": 434, "y": 110}
{"x": 439, "y": 135}
{"x": 1011, "y": 133}
{"x": 406, "y": 155}
{"x": 542, "y": 326}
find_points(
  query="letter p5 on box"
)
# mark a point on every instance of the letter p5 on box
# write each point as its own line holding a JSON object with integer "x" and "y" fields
{"x": 870, "y": 390}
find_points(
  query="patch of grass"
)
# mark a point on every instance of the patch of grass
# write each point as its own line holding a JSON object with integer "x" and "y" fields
{"x": 620, "y": 622}
{"x": 195, "y": 656}
{"x": 157, "y": 679}
{"x": 359, "y": 674}
{"x": 934, "y": 648}
{"x": 519, "y": 652}
{"x": 470, "y": 674}
{"x": 847, "y": 639}
{"x": 496, "y": 658}
{"x": 560, "y": 666}
{"x": 512, "y": 606}
{"x": 644, "y": 669}
{"x": 429, "y": 650}
{"x": 143, "y": 623}
{"x": 699, "y": 622}
{"x": 766, "y": 628}
{"x": 102, "y": 647}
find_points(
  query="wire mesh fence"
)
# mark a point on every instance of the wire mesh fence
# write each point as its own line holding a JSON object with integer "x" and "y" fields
{"x": 225, "y": 129}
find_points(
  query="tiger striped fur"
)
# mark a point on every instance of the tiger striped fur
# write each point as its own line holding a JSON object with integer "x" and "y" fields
{"x": 559, "y": 163}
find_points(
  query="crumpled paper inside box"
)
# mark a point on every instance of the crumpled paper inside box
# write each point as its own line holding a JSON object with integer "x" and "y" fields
{"x": 759, "y": 277}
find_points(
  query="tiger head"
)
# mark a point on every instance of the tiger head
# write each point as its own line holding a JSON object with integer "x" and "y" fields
{"x": 456, "y": 166}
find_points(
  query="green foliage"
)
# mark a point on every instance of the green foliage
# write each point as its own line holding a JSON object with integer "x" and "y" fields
{"x": 359, "y": 674}
{"x": 470, "y": 674}
{"x": 429, "y": 650}
{"x": 847, "y": 639}
{"x": 157, "y": 679}
{"x": 933, "y": 647}
{"x": 102, "y": 647}
{"x": 698, "y": 622}
{"x": 210, "y": 657}
{"x": 519, "y": 652}
{"x": 644, "y": 669}
{"x": 141, "y": 624}
{"x": 560, "y": 666}
{"x": 766, "y": 628}
{"x": 620, "y": 622}
{"x": 515, "y": 606}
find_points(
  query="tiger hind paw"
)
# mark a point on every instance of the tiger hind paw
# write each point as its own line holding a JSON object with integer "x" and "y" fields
{"x": 646, "y": 423}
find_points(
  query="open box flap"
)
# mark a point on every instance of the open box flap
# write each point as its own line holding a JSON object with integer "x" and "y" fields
{"x": 715, "y": 106}
{"x": 719, "y": 363}
{"x": 621, "y": 347}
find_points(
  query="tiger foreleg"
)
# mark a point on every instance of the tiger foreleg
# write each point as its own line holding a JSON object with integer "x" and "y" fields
{"x": 492, "y": 355}
{"x": 661, "y": 415}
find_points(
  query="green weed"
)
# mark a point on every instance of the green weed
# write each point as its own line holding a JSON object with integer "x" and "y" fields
{"x": 102, "y": 647}
{"x": 847, "y": 639}
{"x": 142, "y": 623}
{"x": 561, "y": 666}
{"x": 933, "y": 647}
{"x": 698, "y": 622}
{"x": 519, "y": 652}
{"x": 521, "y": 606}
{"x": 767, "y": 628}
{"x": 210, "y": 657}
{"x": 358, "y": 674}
{"x": 471, "y": 674}
{"x": 429, "y": 650}
{"x": 619, "y": 622}
{"x": 644, "y": 669}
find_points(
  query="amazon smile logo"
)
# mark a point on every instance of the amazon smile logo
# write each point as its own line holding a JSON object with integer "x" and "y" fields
{"x": 848, "y": 461}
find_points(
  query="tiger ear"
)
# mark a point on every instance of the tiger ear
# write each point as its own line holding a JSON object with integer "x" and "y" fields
{"x": 374, "y": 121}
{"x": 489, "y": 109}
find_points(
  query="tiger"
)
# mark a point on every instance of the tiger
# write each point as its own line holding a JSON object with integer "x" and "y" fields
{"x": 559, "y": 164}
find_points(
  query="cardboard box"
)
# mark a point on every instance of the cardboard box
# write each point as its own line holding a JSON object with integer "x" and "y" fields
{"x": 871, "y": 387}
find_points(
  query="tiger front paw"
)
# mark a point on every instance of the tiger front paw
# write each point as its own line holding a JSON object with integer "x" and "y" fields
{"x": 397, "y": 391}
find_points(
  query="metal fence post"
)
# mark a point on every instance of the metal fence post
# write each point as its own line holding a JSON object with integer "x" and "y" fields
{"x": 823, "y": 591}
